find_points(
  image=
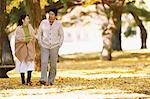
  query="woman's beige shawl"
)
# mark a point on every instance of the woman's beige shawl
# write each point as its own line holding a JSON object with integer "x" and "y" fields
{"x": 24, "y": 51}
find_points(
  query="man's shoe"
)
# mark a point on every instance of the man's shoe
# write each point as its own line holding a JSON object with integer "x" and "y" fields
{"x": 50, "y": 84}
{"x": 42, "y": 82}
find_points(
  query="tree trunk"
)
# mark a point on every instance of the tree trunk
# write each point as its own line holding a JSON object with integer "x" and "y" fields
{"x": 34, "y": 11}
{"x": 116, "y": 7}
{"x": 6, "y": 57}
{"x": 107, "y": 41}
{"x": 142, "y": 29}
{"x": 2, "y": 8}
{"x": 116, "y": 39}
{"x": 5, "y": 49}
{"x": 113, "y": 28}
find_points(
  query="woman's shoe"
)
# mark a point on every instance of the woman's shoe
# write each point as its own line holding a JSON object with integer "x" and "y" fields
{"x": 29, "y": 83}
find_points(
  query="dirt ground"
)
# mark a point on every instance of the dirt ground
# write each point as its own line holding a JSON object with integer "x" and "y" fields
{"x": 86, "y": 76}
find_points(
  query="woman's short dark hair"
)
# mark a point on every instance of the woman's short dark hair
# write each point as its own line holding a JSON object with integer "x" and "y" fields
{"x": 22, "y": 17}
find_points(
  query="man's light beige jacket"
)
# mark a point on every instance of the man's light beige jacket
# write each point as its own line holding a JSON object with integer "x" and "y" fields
{"x": 50, "y": 36}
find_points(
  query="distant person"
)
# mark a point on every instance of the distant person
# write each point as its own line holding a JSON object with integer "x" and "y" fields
{"x": 25, "y": 48}
{"x": 50, "y": 38}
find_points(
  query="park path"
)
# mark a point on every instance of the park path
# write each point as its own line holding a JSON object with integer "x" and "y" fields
{"x": 97, "y": 76}
{"x": 56, "y": 93}
{"x": 79, "y": 94}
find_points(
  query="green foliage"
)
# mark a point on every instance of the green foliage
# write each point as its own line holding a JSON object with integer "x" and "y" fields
{"x": 139, "y": 8}
{"x": 64, "y": 2}
{"x": 16, "y": 12}
{"x": 50, "y": 1}
{"x": 15, "y": 8}
{"x": 11, "y": 4}
{"x": 142, "y": 12}
{"x": 108, "y": 12}
{"x": 129, "y": 32}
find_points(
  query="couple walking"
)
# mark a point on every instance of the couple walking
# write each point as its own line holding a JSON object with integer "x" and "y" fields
{"x": 50, "y": 38}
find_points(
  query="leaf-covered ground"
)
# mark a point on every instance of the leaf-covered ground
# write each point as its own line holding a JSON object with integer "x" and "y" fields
{"x": 85, "y": 76}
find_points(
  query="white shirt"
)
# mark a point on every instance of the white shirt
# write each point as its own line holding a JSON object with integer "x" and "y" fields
{"x": 50, "y": 36}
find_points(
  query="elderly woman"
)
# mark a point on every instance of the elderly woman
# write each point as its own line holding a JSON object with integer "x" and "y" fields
{"x": 50, "y": 38}
{"x": 25, "y": 48}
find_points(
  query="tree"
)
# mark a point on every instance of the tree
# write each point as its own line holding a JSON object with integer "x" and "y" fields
{"x": 34, "y": 10}
{"x": 130, "y": 8}
{"x": 107, "y": 41}
{"x": 117, "y": 7}
{"x": 112, "y": 30}
{"x": 5, "y": 50}
{"x": 6, "y": 57}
